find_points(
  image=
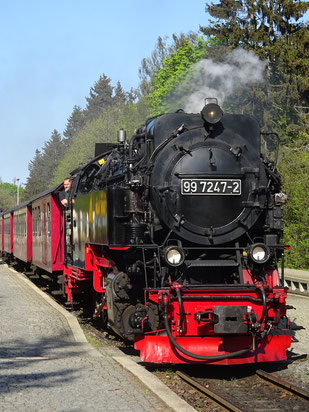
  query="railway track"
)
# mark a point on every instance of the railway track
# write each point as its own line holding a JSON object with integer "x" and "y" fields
{"x": 262, "y": 391}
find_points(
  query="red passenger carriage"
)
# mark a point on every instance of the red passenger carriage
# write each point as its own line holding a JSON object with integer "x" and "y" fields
{"x": 8, "y": 241}
{"x": 1, "y": 233}
{"x": 22, "y": 229}
{"x": 32, "y": 232}
{"x": 47, "y": 231}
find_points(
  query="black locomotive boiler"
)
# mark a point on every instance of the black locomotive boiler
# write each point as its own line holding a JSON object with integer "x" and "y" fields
{"x": 176, "y": 233}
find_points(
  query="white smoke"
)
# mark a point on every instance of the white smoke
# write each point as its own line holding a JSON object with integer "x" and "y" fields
{"x": 207, "y": 78}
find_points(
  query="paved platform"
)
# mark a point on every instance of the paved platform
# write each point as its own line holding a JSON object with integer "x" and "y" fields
{"x": 44, "y": 366}
{"x": 299, "y": 317}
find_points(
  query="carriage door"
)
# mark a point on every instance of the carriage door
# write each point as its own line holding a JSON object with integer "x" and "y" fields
{"x": 48, "y": 235}
{"x": 44, "y": 233}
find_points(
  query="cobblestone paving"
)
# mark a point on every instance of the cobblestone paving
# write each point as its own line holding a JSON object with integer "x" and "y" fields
{"x": 43, "y": 369}
{"x": 300, "y": 317}
{"x": 297, "y": 371}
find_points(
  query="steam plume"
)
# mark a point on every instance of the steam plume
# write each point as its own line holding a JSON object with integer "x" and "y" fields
{"x": 207, "y": 78}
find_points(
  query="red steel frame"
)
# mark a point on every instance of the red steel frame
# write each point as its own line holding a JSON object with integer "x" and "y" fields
{"x": 200, "y": 339}
{"x": 96, "y": 269}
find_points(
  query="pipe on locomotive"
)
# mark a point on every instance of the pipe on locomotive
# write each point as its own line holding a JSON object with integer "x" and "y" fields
{"x": 194, "y": 355}
{"x": 202, "y": 357}
{"x": 179, "y": 297}
{"x": 264, "y": 305}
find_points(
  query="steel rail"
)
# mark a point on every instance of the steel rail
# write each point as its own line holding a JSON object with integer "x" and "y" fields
{"x": 229, "y": 406}
{"x": 296, "y": 390}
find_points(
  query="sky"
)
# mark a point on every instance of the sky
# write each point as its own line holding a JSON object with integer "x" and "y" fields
{"x": 52, "y": 53}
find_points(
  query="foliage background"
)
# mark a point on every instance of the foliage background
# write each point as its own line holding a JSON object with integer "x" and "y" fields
{"x": 273, "y": 30}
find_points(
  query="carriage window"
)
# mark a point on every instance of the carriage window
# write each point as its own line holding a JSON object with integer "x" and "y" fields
{"x": 7, "y": 225}
{"x": 39, "y": 221}
{"x": 48, "y": 219}
{"x": 34, "y": 222}
{"x": 24, "y": 225}
{"x": 16, "y": 221}
{"x": 36, "y": 218}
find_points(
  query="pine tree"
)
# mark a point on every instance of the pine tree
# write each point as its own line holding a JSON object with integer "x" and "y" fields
{"x": 100, "y": 97}
{"x": 270, "y": 28}
{"x": 74, "y": 123}
{"x": 120, "y": 97}
{"x": 44, "y": 165}
{"x": 35, "y": 184}
{"x": 273, "y": 30}
{"x": 53, "y": 152}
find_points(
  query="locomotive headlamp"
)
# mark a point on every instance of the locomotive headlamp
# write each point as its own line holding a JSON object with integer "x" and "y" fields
{"x": 212, "y": 113}
{"x": 174, "y": 256}
{"x": 259, "y": 253}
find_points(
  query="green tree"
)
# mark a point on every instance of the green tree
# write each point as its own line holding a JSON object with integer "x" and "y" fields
{"x": 34, "y": 182}
{"x": 100, "y": 97}
{"x": 9, "y": 188}
{"x": 44, "y": 165}
{"x": 7, "y": 199}
{"x": 164, "y": 94}
{"x": 275, "y": 31}
{"x": 75, "y": 122}
{"x": 102, "y": 129}
{"x": 120, "y": 96}
{"x": 294, "y": 167}
{"x": 8, "y": 195}
{"x": 53, "y": 152}
{"x": 150, "y": 66}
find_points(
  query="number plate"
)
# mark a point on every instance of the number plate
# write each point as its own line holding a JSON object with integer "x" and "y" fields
{"x": 210, "y": 186}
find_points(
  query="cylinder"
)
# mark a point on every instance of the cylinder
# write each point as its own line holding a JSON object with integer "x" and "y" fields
{"x": 121, "y": 136}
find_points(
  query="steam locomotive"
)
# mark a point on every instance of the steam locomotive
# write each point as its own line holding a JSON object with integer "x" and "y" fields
{"x": 174, "y": 238}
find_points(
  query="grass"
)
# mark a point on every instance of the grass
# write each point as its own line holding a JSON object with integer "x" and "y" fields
{"x": 93, "y": 341}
